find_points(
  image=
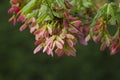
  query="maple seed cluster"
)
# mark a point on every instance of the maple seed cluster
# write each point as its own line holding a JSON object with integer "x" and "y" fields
{"x": 101, "y": 34}
{"x": 59, "y": 35}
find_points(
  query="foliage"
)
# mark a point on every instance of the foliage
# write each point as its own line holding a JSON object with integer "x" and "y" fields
{"x": 58, "y": 25}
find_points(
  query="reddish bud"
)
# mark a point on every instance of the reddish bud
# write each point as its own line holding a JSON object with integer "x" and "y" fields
{"x": 97, "y": 38}
{"x": 23, "y": 27}
{"x": 103, "y": 47}
{"x": 59, "y": 45}
{"x": 87, "y": 38}
{"x": 37, "y": 49}
{"x": 21, "y": 18}
{"x": 76, "y": 23}
{"x": 70, "y": 36}
{"x": 59, "y": 52}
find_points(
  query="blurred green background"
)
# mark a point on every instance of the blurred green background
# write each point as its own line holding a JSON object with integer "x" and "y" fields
{"x": 17, "y": 61}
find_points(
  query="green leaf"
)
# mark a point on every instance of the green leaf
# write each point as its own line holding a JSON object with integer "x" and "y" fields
{"x": 42, "y": 18}
{"x": 29, "y": 6}
{"x": 101, "y": 13}
{"x": 58, "y": 14}
{"x": 43, "y": 10}
{"x": 118, "y": 15}
{"x": 61, "y": 3}
{"x": 111, "y": 11}
{"x": 42, "y": 13}
{"x": 33, "y": 14}
{"x": 87, "y": 3}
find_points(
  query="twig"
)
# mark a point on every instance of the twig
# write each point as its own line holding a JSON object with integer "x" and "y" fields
{"x": 82, "y": 16}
